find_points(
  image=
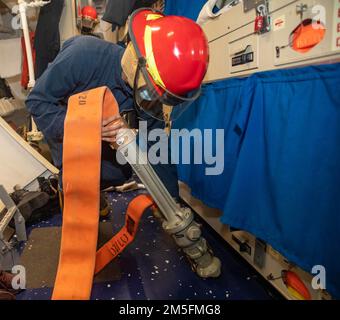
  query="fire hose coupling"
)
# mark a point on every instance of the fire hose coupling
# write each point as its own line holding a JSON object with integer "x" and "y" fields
{"x": 184, "y": 218}
{"x": 198, "y": 250}
{"x": 194, "y": 233}
{"x": 188, "y": 236}
{"x": 202, "y": 259}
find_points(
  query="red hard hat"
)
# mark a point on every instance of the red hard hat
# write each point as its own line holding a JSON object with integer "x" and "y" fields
{"x": 175, "y": 49}
{"x": 89, "y": 12}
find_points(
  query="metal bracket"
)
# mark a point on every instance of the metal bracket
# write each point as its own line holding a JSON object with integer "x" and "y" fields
{"x": 243, "y": 245}
{"x": 8, "y": 253}
{"x": 260, "y": 253}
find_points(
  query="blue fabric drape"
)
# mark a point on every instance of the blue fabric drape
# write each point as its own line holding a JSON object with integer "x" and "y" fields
{"x": 187, "y": 8}
{"x": 282, "y": 161}
{"x": 217, "y": 108}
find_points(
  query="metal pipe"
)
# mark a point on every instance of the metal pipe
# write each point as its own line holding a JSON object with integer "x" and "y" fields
{"x": 139, "y": 162}
{"x": 22, "y": 10}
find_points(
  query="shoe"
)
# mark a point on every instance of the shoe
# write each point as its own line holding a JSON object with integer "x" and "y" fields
{"x": 6, "y": 295}
{"x": 6, "y": 282}
{"x": 104, "y": 206}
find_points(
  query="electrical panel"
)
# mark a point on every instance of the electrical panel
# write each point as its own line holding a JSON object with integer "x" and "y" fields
{"x": 265, "y": 35}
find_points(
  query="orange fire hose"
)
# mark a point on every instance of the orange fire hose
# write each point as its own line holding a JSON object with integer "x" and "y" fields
{"x": 78, "y": 261}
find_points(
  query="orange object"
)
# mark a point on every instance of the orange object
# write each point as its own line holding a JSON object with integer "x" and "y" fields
{"x": 89, "y": 17}
{"x": 125, "y": 236}
{"x": 89, "y": 12}
{"x": 295, "y": 285}
{"x": 307, "y": 35}
{"x": 81, "y": 178}
{"x": 81, "y": 154}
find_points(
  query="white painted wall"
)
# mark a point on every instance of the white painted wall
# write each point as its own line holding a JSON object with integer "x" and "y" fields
{"x": 10, "y": 57}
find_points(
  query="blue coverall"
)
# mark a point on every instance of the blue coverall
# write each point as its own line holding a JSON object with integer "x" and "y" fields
{"x": 84, "y": 63}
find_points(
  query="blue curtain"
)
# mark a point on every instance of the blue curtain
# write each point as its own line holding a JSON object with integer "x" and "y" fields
{"x": 217, "y": 108}
{"x": 186, "y": 8}
{"x": 281, "y": 179}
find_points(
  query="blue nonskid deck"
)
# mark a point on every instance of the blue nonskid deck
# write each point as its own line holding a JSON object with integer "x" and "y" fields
{"x": 154, "y": 268}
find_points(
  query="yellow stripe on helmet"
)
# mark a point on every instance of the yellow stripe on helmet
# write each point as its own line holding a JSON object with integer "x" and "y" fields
{"x": 153, "y": 16}
{"x": 149, "y": 55}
